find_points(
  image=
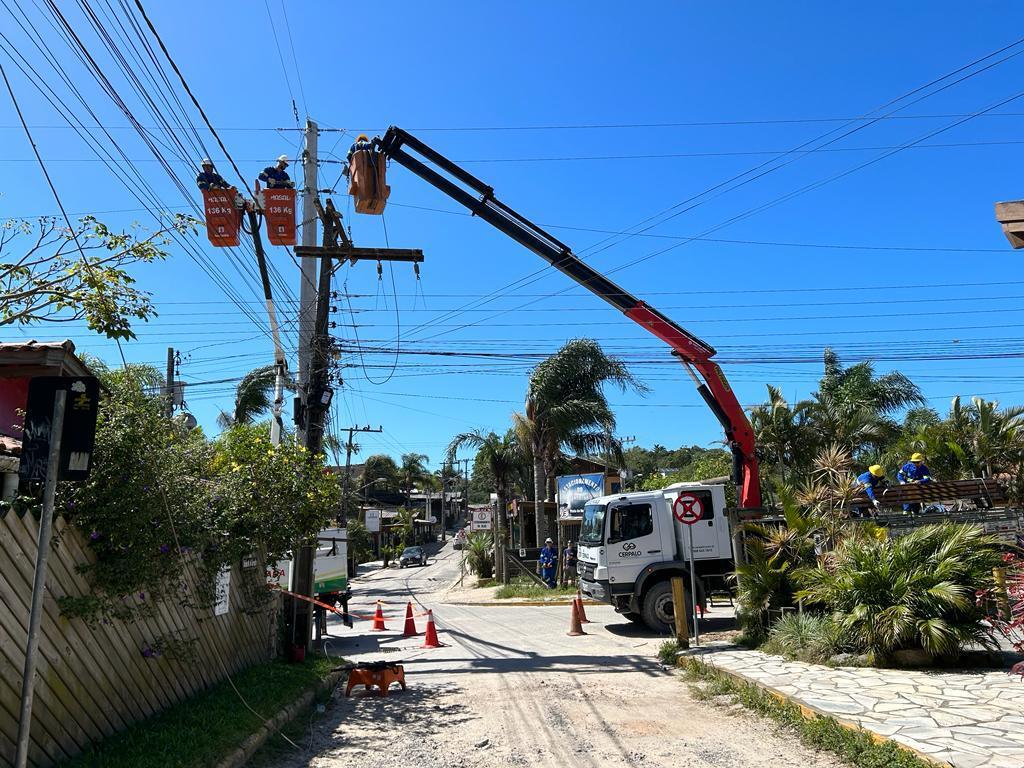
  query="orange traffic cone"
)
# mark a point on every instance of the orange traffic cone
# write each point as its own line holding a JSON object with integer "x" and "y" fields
{"x": 410, "y": 623}
{"x": 430, "y": 637}
{"x": 378, "y": 619}
{"x": 583, "y": 613}
{"x": 575, "y": 628}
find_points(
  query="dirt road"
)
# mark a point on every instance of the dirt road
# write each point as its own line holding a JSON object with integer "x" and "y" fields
{"x": 511, "y": 689}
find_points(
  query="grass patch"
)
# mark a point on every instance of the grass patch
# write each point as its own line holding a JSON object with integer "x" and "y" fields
{"x": 480, "y": 583}
{"x": 855, "y": 746}
{"x": 667, "y": 652}
{"x": 522, "y": 588}
{"x": 202, "y": 730}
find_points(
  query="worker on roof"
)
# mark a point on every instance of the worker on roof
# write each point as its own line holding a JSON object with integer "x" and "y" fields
{"x": 868, "y": 482}
{"x": 914, "y": 471}
{"x": 362, "y": 142}
{"x": 208, "y": 178}
{"x": 276, "y": 177}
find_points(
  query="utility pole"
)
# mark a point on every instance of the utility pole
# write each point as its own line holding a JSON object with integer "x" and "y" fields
{"x": 343, "y": 516}
{"x": 299, "y": 613}
{"x": 170, "y": 382}
{"x": 280, "y": 362}
{"x": 308, "y": 283}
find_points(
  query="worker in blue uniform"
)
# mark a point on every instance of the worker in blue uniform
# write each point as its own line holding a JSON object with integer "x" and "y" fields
{"x": 869, "y": 481}
{"x": 208, "y": 178}
{"x": 548, "y": 561}
{"x": 914, "y": 471}
{"x": 361, "y": 143}
{"x": 276, "y": 177}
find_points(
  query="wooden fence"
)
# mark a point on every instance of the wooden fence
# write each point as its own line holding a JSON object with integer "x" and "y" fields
{"x": 93, "y": 682}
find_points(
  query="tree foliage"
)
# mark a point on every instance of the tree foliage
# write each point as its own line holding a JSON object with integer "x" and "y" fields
{"x": 162, "y": 501}
{"x": 53, "y": 274}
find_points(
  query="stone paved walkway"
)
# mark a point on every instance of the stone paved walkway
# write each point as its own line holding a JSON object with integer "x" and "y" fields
{"x": 964, "y": 719}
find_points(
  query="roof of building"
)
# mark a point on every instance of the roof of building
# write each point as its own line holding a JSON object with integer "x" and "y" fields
{"x": 40, "y": 358}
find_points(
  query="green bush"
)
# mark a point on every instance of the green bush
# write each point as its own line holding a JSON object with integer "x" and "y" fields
{"x": 806, "y": 637}
{"x": 480, "y": 554}
{"x": 912, "y": 592}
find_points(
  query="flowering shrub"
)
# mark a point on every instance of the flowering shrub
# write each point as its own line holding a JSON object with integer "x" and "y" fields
{"x": 165, "y": 509}
{"x": 1012, "y": 626}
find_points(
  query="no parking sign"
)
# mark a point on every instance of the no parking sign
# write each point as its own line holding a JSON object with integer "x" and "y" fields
{"x": 687, "y": 508}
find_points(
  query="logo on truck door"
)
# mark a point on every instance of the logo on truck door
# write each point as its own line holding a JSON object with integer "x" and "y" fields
{"x": 687, "y": 509}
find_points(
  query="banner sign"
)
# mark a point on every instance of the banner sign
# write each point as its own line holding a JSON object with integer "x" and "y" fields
{"x": 574, "y": 491}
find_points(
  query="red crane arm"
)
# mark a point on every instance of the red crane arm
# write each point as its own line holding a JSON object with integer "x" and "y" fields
{"x": 693, "y": 352}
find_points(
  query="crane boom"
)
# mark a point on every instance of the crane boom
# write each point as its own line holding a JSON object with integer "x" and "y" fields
{"x": 695, "y": 354}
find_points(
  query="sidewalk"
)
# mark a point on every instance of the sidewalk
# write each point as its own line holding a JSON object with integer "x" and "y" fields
{"x": 965, "y": 719}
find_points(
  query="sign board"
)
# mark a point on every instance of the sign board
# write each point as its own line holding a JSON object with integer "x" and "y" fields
{"x": 687, "y": 509}
{"x": 574, "y": 491}
{"x": 373, "y": 520}
{"x": 78, "y": 435}
{"x": 481, "y": 519}
{"x": 223, "y": 589}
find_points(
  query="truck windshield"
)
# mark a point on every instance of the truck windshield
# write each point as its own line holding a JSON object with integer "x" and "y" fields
{"x": 592, "y": 531}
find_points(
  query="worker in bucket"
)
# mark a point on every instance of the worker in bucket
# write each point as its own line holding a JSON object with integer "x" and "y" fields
{"x": 548, "y": 561}
{"x": 208, "y": 178}
{"x": 914, "y": 471}
{"x": 276, "y": 177}
{"x": 868, "y": 482}
{"x": 361, "y": 143}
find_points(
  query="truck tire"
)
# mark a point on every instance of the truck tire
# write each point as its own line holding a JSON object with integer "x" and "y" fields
{"x": 657, "y": 608}
{"x": 636, "y": 618}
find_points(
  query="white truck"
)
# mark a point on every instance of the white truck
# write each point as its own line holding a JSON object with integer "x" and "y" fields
{"x": 330, "y": 566}
{"x": 632, "y": 544}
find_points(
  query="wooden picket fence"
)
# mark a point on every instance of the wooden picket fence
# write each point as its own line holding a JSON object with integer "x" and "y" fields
{"x": 94, "y": 681}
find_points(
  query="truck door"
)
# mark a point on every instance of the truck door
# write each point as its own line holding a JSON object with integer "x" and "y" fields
{"x": 634, "y": 541}
{"x": 711, "y": 532}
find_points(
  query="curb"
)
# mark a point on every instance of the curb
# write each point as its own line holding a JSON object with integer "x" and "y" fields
{"x": 813, "y": 713}
{"x": 251, "y": 743}
{"x": 516, "y": 604}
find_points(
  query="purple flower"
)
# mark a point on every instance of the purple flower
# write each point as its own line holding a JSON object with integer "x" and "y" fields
{"x": 148, "y": 653}
{"x": 95, "y": 536}
{"x": 165, "y": 548}
{"x": 142, "y": 595}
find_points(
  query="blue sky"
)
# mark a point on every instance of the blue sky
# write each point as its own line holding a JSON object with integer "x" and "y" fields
{"x": 759, "y": 79}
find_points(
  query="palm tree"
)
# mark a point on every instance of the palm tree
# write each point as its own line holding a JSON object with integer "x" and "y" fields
{"x": 412, "y": 471}
{"x": 253, "y": 397}
{"x": 858, "y": 386}
{"x": 382, "y": 466}
{"x": 566, "y": 406}
{"x": 783, "y": 433}
{"x": 503, "y": 458}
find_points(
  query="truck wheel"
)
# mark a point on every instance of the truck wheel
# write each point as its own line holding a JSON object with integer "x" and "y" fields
{"x": 636, "y": 618}
{"x": 657, "y": 609}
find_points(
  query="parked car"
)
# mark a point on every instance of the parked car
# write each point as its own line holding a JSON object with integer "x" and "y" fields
{"x": 412, "y": 556}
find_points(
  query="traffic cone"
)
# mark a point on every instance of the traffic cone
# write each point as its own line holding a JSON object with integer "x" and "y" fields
{"x": 378, "y": 619}
{"x": 430, "y": 637}
{"x": 575, "y": 628}
{"x": 583, "y": 613}
{"x": 410, "y": 623}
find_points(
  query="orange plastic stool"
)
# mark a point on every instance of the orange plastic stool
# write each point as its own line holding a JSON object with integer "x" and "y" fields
{"x": 382, "y": 677}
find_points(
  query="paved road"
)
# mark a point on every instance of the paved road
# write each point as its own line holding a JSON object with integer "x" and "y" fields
{"x": 512, "y": 689}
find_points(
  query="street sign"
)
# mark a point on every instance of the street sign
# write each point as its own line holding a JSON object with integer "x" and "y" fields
{"x": 687, "y": 509}
{"x": 481, "y": 520}
{"x": 78, "y": 435}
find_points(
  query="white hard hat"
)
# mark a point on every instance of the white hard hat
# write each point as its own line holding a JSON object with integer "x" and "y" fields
{"x": 206, "y": 161}
{"x": 283, "y": 159}
{"x": 547, "y": 540}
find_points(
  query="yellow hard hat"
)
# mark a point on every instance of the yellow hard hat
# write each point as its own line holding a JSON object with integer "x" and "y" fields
{"x": 362, "y": 137}
{"x": 917, "y": 457}
{"x": 876, "y": 470}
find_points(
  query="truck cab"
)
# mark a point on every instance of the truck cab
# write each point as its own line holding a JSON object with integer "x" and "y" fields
{"x": 631, "y": 545}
